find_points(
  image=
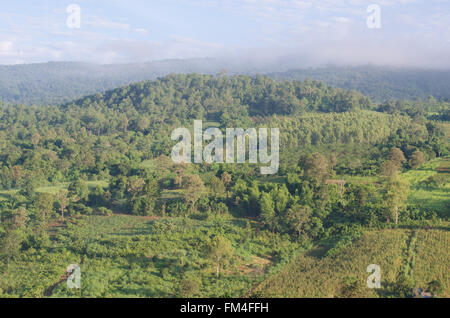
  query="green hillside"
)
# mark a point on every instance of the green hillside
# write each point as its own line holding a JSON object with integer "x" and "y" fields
{"x": 420, "y": 255}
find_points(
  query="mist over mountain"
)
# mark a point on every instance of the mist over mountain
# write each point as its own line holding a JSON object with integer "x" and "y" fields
{"x": 380, "y": 83}
{"x": 60, "y": 82}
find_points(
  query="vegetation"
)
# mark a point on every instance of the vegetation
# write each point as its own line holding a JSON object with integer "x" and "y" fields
{"x": 344, "y": 274}
{"x": 90, "y": 183}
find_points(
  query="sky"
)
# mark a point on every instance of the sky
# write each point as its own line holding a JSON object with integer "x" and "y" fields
{"x": 315, "y": 32}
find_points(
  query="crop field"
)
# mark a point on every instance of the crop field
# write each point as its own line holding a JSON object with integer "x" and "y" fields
{"x": 312, "y": 274}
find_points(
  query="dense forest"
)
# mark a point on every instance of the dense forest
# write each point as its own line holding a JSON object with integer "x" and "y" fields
{"x": 90, "y": 182}
{"x": 379, "y": 83}
{"x": 61, "y": 82}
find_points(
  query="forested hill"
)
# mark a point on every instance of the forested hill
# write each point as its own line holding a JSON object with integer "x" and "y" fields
{"x": 223, "y": 98}
{"x": 133, "y": 124}
{"x": 233, "y": 100}
{"x": 379, "y": 83}
{"x": 61, "y": 82}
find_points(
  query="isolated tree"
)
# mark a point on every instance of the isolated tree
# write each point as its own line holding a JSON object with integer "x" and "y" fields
{"x": 62, "y": 198}
{"x": 389, "y": 168}
{"x": 193, "y": 189}
{"x": 220, "y": 251}
{"x": 417, "y": 159}
{"x": 396, "y": 195}
{"x": 396, "y": 155}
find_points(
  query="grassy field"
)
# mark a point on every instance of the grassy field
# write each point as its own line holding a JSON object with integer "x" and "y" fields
{"x": 53, "y": 189}
{"x": 312, "y": 274}
{"x": 436, "y": 198}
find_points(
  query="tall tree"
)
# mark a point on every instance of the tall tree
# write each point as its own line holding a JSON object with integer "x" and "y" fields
{"x": 193, "y": 189}
{"x": 417, "y": 159}
{"x": 316, "y": 166}
{"x": 389, "y": 168}
{"x": 220, "y": 251}
{"x": 396, "y": 155}
{"x": 43, "y": 207}
{"x": 62, "y": 198}
{"x": 396, "y": 195}
{"x": 268, "y": 215}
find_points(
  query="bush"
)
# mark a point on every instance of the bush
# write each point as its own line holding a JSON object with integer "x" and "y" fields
{"x": 436, "y": 181}
{"x": 189, "y": 288}
{"x": 104, "y": 211}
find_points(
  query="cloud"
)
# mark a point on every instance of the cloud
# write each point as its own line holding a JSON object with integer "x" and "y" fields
{"x": 325, "y": 31}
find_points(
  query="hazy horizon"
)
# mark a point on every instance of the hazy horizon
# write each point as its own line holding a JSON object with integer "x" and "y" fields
{"x": 306, "y": 33}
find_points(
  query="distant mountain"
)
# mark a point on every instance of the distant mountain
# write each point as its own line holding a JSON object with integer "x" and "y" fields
{"x": 60, "y": 82}
{"x": 379, "y": 83}
{"x": 54, "y": 83}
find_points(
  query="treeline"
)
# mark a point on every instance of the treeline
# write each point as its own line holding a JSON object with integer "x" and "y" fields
{"x": 365, "y": 127}
{"x": 379, "y": 83}
{"x": 61, "y": 82}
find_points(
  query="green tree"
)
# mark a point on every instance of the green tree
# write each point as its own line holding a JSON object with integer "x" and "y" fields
{"x": 189, "y": 288}
{"x": 389, "y": 168}
{"x": 316, "y": 166}
{"x": 63, "y": 201}
{"x": 268, "y": 215}
{"x": 193, "y": 189}
{"x": 217, "y": 187}
{"x": 220, "y": 251}
{"x": 396, "y": 195}
{"x": 43, "y": 206}
{"x": 417, "y": 159}
{"x": 12, "y": 240}
{"x": 396, "y": 155}
{"x": 78, "y": 190}
{"x": 297, "y": 217}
